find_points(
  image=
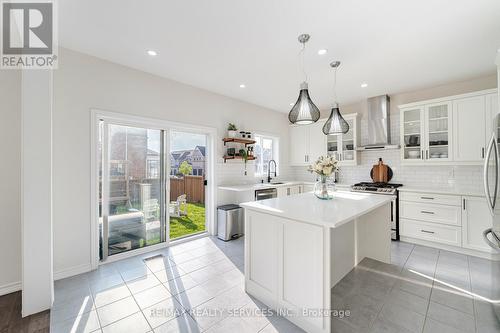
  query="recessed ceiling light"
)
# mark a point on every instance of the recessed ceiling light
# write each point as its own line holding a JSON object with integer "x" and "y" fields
{"x": 152, "y": 53}
{"x": 242, "y": 86}
{"x": 322, "y": 51}
{"x": 364, "y": 85}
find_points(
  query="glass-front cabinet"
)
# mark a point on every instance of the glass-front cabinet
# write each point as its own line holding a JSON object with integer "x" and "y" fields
{"x": 343, "y": 146}
{"x": 426, "y": 133}
{"x": 438, "y": 131}
{"x": 412, "y": 131}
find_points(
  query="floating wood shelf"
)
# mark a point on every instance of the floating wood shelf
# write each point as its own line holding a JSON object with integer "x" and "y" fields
{"x": 238, "y": 140}
{"x": 238, "y": 157}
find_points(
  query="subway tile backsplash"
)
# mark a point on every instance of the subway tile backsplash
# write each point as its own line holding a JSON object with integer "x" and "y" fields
{"x": 469, "y": 177}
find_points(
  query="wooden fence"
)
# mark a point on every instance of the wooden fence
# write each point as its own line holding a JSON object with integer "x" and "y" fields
{"x": 192, "y": 186}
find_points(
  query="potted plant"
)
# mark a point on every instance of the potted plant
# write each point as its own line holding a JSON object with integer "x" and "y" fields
{"x": 324, "y": 167}
{"x": 231, "y": 130}
{"x": 244, "y": 156}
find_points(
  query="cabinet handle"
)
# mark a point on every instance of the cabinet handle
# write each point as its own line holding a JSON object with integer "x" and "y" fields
{"x": 288, "y": 191}
{"x": 464, "y": 203}
{"x": 426, "y": 212}
{"x": 422, "y": 155}
{"x": 427, "y": 154}
{"x": 482, "y": 152}
{"x": 427, "y": 231}
{"x": 427, "y": 198}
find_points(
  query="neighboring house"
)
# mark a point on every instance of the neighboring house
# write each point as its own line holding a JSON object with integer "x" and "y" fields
{"x": 195, "y": 157}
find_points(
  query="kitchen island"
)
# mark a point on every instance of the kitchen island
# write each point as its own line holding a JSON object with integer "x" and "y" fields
{"x": 297, "y": 248}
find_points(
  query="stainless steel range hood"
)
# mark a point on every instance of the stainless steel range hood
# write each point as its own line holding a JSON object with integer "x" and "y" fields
{"x": 379, "y": 124}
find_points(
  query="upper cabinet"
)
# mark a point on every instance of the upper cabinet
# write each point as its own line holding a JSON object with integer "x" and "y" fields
{"x": 452, "y": 129}
{"x": 469, "y": 120}
{"x": 343, "y": 146}
{"x": 308, "y": 142}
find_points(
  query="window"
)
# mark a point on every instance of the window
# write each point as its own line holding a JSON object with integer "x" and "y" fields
{"x": 266, "y": 149}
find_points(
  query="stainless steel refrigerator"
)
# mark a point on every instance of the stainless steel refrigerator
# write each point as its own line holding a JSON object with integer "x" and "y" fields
{"x": 492, "y": 185}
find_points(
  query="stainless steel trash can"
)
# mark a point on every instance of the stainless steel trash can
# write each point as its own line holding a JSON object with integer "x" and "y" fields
{"x": 230, "y": 222}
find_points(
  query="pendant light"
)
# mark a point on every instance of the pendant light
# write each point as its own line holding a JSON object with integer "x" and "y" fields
{"x": 335, "y": 124}
{"x": 304, "y": 111}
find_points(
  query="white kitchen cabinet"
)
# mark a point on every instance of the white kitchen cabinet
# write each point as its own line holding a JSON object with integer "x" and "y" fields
{"x": 284, "y": 191}
{"x": 412, "y": 134}
{"x": 469, "y": 122}
{"x": 343, "y": 146}
{"x": 475, "y": 219}
{"x": 438, "y": 131}
{"x": 299, "y": 144}
{"x": 449, "y": 130}
{"x": 307, "y": 143}
{"x": 426, "y": 133}
{"x": 492, "y": 109}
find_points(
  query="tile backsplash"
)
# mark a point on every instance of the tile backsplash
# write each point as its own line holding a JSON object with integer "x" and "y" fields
{"x": 470, "y": 177}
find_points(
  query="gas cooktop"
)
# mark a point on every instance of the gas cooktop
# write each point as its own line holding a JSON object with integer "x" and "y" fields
{"x": 379, "y": 188}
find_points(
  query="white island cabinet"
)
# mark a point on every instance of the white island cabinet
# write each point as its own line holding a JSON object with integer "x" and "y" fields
{"x": 298, "y": 247}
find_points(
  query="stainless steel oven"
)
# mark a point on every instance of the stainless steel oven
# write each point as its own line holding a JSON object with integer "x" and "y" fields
{"x": 266, "y": 193}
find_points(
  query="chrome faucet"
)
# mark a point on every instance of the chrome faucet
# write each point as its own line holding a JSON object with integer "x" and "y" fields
{"x": 269, "y": 170}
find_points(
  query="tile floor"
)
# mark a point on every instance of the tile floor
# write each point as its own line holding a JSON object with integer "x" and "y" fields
{"x": 197, "y": 286}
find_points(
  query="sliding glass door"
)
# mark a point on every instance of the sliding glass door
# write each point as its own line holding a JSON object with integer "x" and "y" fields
{"x": 151, "y": 184}
{"x": 188, "y": 170}
{"x": 132, "y": 188}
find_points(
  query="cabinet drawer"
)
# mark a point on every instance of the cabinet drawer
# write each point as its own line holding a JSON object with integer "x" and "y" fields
{"x": 431, "y": 213}
{"x": 431, "y": 232}
{"x": 442, "y": 199}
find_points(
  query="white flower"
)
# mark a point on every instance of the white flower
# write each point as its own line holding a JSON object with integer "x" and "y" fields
{"x": 324, "y": 166}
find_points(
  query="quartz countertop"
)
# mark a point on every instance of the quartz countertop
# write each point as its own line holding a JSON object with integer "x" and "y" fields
{"x": 251, "y": 187}
{"x": 453, "y": 190}
{"x": 306, "y": 207}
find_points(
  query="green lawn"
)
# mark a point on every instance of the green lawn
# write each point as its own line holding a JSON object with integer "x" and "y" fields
{"x": 194, "y": 222}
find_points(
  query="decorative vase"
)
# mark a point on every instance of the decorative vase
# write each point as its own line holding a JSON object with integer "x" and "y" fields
{"x": 324, "y": 188}
{"x": 231, "y": 134}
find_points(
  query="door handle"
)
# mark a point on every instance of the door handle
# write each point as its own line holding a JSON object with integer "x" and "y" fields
{"x": 491, "y": 146}
{"x": 427, "y": 231}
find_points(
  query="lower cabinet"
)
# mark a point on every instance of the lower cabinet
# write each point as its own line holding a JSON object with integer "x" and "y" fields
{"x": 289, "y": 190}
{"x": 433, "y": 232}
{"x": 283, "y": 259}
{"x": 476, "y": 218}
{"x": 453, "y": 220}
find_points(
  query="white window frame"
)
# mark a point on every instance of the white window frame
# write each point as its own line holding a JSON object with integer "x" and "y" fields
{"x": 276, "y": 152}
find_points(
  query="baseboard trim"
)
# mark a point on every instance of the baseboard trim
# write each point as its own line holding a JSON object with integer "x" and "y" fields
{"x": 10, "y": 288}
{"x": 461, "y": 250}
{"x": 72, "y": 271}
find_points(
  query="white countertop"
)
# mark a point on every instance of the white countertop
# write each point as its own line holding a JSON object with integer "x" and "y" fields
{"x": 251, "y": 187}
{"x": 344, "y": 207}
{"x": 453, "y": 190}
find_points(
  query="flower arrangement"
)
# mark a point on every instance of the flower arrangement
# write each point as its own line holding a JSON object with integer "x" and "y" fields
{"x": 324, "y": 166}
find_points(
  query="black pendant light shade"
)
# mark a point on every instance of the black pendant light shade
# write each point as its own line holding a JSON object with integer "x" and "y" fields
{"x": 304, "y": 111}
{"x": 335, "y": 124}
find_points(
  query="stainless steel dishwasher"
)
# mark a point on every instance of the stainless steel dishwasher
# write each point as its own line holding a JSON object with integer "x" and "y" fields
{"x": 266, "y": 193}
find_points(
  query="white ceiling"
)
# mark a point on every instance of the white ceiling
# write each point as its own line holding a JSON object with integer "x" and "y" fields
{"x": 393, "y": 45}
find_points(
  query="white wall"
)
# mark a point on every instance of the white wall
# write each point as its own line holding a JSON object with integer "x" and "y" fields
{"x": 10, "y": 180}
{"x": 466, "y": 176}
{"x": 83, "y": 82}
{"x": 36, "y": 191}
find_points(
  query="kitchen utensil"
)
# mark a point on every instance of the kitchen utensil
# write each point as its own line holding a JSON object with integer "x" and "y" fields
{"x": 414, "y": 140}
{"x": 380, "y": 172}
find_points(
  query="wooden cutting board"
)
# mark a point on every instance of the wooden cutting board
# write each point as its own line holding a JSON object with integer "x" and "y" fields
{"x": 380, "y": 172}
